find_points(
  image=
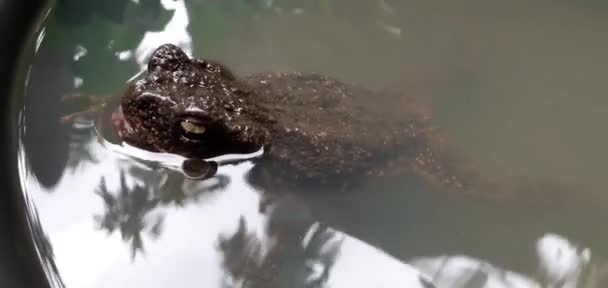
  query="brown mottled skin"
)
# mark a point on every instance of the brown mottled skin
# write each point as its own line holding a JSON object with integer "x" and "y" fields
{"x": 314, "y": 129}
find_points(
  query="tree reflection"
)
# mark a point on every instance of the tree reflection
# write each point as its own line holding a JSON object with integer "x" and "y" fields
{"x": 43, "y": 246}
{"x": 299, "y": 254}
{"x": 134, "y": 210}
{"x": 126, "y": 213}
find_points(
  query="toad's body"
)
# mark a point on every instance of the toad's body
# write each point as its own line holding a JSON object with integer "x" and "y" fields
{"x": 313, "y": 128}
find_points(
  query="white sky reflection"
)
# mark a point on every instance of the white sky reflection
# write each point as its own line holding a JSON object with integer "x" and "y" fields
{"x": 175, "y": 32}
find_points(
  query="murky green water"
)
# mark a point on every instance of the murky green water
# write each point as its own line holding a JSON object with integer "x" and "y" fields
{"x": 518, "y": 85}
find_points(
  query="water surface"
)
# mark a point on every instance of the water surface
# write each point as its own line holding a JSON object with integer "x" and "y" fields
{"x": 517, "y": 86}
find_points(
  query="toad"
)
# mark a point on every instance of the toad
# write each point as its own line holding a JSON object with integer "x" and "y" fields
{"x": 313, "y": 129}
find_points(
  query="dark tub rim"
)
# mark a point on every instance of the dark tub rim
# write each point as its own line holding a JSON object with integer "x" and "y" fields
{"x": 20, "y": 263}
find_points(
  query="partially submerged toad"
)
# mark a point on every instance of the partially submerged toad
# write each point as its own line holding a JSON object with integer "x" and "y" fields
{"x": 313, "y": 129}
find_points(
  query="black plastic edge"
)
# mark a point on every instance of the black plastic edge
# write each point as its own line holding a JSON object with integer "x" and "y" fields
{"x": 20, "y": 265}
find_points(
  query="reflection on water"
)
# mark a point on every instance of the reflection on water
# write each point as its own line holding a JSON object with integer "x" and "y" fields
{"x": 110, "y": 218}
{"x": 215, "y": 225}
{"x": 288, "y": 262}
{"x": 560, "y": 264}
{"x": 128, "y": 209}
{"x": 43, "y": 247}
{"x": 126, "y": 212}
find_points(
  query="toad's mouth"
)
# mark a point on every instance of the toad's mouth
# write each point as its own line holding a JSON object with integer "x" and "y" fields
{"x": 120, "y": 124}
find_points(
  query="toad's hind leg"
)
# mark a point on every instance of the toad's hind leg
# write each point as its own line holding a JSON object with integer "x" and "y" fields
{"x": 436, "y": 165}
{"x": 450, "y": 171}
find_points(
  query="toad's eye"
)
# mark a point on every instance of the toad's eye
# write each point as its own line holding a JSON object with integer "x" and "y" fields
{"x": 192, "y": 128}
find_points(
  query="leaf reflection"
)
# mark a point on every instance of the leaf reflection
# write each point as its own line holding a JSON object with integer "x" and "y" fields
{"x": 43, "y": 246}
{"x": 126, "y": 212}
{"x": 137, "y": 209}
{"x": 299, "y": 254}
